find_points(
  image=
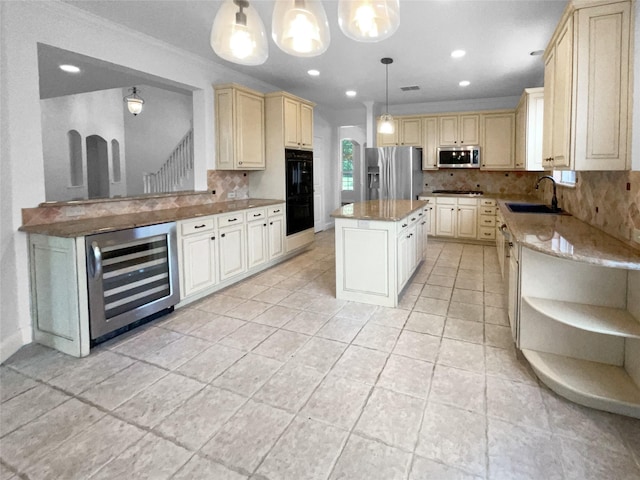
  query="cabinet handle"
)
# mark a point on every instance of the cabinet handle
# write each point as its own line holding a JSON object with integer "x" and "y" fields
{"x": 487, "y": 234}
{"x": 420, "y": 214}
{"x": 223, "y": 235}
{"x": 413, "y": 219}
{"x": 232, "y": 220}
{"x": 264, "y": 225}
{"x": 270, "y": 223}
{"x": 404, "y": 225}
{"x": 408, "y": 236}
{"x": 97, "y": 260}
{"x": 213, "y": 238}
{"x": 200, "y": 226}
{"x": 257, "y": 214}
{"x": 276, "y": 211}
{"x": 239, "y": 163}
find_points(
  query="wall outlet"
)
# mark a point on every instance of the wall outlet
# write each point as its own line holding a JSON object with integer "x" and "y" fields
{"x": 231, "y": 195}
{"x": 635, "y": 235}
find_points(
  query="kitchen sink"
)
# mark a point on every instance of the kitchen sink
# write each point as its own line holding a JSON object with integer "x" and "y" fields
{"x": 534, "y": 208}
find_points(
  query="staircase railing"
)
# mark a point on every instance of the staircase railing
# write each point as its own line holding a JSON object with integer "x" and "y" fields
{"x": 175, "y": 171}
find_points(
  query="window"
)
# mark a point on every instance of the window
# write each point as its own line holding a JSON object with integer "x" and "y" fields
{"x": 566, "y": 178}
{"x": 75, "y": 159}
{"x": 347, "y": 165}
{"x": 115, "y": 161}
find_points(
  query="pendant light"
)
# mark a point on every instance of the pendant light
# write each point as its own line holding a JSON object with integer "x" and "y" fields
{"x": 300, "y": 27}
{"x": 386, "y": 120}
{"x": 238, "y": 34}
{"x": 368, "y": 20}
{"x": 134, "y": 101}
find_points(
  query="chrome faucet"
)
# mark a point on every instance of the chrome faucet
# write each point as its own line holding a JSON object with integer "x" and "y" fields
{"x": 554, "y": 199}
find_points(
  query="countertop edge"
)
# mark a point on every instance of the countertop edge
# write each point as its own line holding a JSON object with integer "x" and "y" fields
{"x": 337, "y": 214}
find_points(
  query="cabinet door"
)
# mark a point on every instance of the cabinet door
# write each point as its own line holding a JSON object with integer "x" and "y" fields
{"x": 389, "y": 139}
{"x": 306, "y": 126}
{"x": 430, "y": 143}
{"x": 199, "y": 263}
{"x": 225, "y": 131}
{"x": 562, "y": 84}
{"x": 257, "y": 252}
{"x": 403, "y": 252}
{"x": 250, "y": 146}
{"x": 232, "y": 251}
{"x": 469, "y": 129}
{"x": 412, "y": 251}
{"x": 431, "y": 220}
{"x": 446, "y": 216}
{"x": 448, "y": 130}
{"x": 513, "y": 294}
{"x": 534, "y": 125}
{"x": 467, "y": 221}
{"x": 276, "y": 237}
{"x": 291, "y": 123}
{"x": 411, "y": 132}
{"x": 497, "y": 145}
{"x": 424, "y": 237}
{"x": 521, "y": 134}
{"x": 547, "y": 129}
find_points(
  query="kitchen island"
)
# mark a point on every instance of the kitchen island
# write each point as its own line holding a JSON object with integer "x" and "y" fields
{"x": 379, "y": 245}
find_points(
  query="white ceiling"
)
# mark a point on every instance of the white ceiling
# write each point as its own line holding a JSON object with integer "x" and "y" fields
{"x": 497, "y": 36}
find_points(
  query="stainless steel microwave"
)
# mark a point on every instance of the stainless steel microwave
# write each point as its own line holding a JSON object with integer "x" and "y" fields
{"x": 459, "y": 157}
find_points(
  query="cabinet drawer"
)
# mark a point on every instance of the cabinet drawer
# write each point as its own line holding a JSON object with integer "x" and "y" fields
{"x": 487, "y": 233}
{"x": 230, "y": 219}
{"x": 429, "y": 200}
{"x": 276, "y": 210}
{"x": 446, "y": 201}
{"x": 488, "y": 211}
{"x": 256, "y": 214}
{"x": 487, "y": 202}
{"x": 197, "y": 225}
{"x": 468, "y": 201}
{"x": 486, "y": 221}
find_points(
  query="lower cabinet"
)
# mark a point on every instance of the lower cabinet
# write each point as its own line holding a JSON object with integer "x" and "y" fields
{"x": 257, "y": 238}
{"x": 276, "y": 235}
{"x": 232, "y": 251}
{"x": 467, "y": 221}
{"x": 446, "y": 217}
{"x": 457, "y": 217}
{"x": 198, "y": 256}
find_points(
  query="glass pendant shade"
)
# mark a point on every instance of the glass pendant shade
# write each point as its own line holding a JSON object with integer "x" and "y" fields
{"x": 386, "y": 124}
{"x": 134, "y": 102}
{"x": 300, "y": 27}
{"x": 238, "y": 34}
{"x": 368, "y": 20}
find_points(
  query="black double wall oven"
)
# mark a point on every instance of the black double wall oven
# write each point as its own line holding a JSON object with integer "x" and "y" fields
{"x": 299, "y": 190}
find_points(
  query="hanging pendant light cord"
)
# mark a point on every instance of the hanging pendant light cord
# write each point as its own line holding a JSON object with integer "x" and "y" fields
{"x": 386, "y": 61}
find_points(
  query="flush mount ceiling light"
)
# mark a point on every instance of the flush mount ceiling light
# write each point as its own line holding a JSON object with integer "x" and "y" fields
{"x": 300, "y": 27}
{"x": 238, "y": 34}
{"x": 313, "y": 73}
{"x": 368, "y": 20}
{"x": 458, "y": 54}
{"x": 134, "y": 101}
{"x": 386, "y": 121}
{"x": 464, "y": 83}
{"x": 350, "y": 93}
{"x": 69, "y": 68}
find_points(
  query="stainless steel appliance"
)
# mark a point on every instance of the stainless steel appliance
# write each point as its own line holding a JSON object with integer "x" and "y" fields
{"x": 131, "y": 274}
{"x": 299, "y": 190}
{"x": 393, "y": 173}
{"x": 459, "y": 157}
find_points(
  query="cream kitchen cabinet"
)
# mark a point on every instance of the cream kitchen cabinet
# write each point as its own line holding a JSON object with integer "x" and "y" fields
{"x": 529, "y": 128}
{"x": 294, "y": 118}
{"x": 446, "y": 216}
{"x": 276, "y": 231}
{"x": 257, "y": 237}
{"x": 407, "y": 132}
{"x": 467, "y": 221}
{"x": 487, "y": 219}
{"x": 457, "y": 130}
{"x": 429, "y": 212}
{"x": 429, "y": 143}
{"x": 198, "y": 255}
{"x": 457, "y": 217}
{"x": 587, "y": 88}
{"x": 497, "y": 151}
{"x": 240, "y": 128}
{"x": 233, "y": 258}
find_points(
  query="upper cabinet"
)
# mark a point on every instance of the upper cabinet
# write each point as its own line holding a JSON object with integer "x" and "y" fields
{"x": 429, "y": 143}
{"x": 240, "y": 132}
{"x": 497, "y": 151}
{"x": 529, "y": 127}
{"x": 586, "y": 105}
{"x": 458, "y": 130}
{"x": 407, "y": 132}
{"x": 296, "y": 118}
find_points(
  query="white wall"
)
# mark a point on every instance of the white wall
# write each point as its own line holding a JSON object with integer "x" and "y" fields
{"x": 152, "y": 135}
{"x": 78, "y": 112}
{"x": 22, "y": 26}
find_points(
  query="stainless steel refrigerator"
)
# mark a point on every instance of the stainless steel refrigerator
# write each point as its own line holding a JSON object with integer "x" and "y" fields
{"x": 393, "y": 173}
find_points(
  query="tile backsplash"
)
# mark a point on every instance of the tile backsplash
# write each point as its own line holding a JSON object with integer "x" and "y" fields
{"x": 520, "y": 183}
{"x": 227, "y": 181}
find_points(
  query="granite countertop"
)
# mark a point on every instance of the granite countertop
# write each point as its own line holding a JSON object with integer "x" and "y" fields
{"x": 380, "y": 210}
{"x": 566, "y": 236}
{"x": 88, "y": 226}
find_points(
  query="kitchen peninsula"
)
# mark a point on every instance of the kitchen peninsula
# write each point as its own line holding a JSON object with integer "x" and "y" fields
{"x": 379, "y": 244}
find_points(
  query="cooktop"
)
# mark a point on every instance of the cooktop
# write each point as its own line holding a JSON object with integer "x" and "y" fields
{"x": 460, "y": 192}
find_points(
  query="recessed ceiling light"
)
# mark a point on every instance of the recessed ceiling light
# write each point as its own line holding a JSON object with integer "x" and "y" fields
{"x": 536, "y": 53}
{"x": 458, "y": 53}
{"x": 69, "y": 68}
{"x": 314, "y": 73}
{"x": 464, "y": 83}
{"x": 350, "y": 93}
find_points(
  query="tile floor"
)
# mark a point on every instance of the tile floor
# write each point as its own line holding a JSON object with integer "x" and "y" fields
{"x": 276, "y": 379}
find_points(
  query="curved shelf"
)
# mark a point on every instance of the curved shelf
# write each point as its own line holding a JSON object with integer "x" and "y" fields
{"x": 593, "y": 318}
{"x": 593, "y": 384}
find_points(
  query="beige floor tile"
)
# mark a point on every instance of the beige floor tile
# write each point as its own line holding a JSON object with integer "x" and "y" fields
{"x": 177, "y": 353}
{"x": 517, "y": 403}
{"x": 185, "y": 320}
{"x": 407, "y": 302}
{"x": 219, "y": 303}
{"x": 248, "y": 374}
{"x": 425, "y": 469}
{"x": 281, "y": 345}
{"x": 298, "y": 300}
{"x": 459, "y": 388}
{"x": 413, "y": 289}
{"x": 440, "y": 280}
{"x": 389, "y": 317}
{"x": 40, "y": 362}
{"x": 248, "y": 336}
{"x": 218, "y": 328}
{"x": 307, "y": 322}
{"x": 243, "y": 291}
{"x": 87, "y": 452}
{"x": 248, "y": 310}
{"x": 340, "y": 329}
{"x": 432, "y": 306}
{"x": 337, "y": 401}
{"x": 27, "y": 406}
{"x": 495, "y": 300}
{"x": 498, "y": 336}
{"x": 464, "y": 330}
{"x": 212, "y": 362}
{"x": 360, "y": 364}
{"x": 425, "y": 323}
{"x": 445, "y": 271}
{"x": 469, "y": 284}
{"x": 6, "y": 473}
{"x": 467, "y": 296}
{"x": 272, "y": 295}
{"x": 495, "y": 315}
{"x": 276, "y": 316}
{"x": 196, "y": 420}
{"x": 417, "y": 345}
{"x": 122, "y": 386}
{"x": 152, "y": 405}
{"x": 435, "y": 291}
{"x": 377, "y": 337}
{"x": 505, "y": 363}
{"x": 307, "y": 450}
{"x": 391, "y": 417}
{"x": 290, "y": 387}
{"x": 151, "y": 458}
{"x": 270, "y": 278}
{"x": 406, "y": 375}
{"x": 465, "y": 311}
{"x": 13, "y": 384}
{"x": 463, "y": 355}
{"x": 454, "y": 437}
{"x": 319, "y": 353}
{"x": 364, "y": 459}
{"x": 148, "y": 341}
{"x": 199, "y": 468}
{"x": 326, "y": 305}
{"x": 587, "y": 462}
{"x": 470, "y": 275}
{"x": 248, "y": 436}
